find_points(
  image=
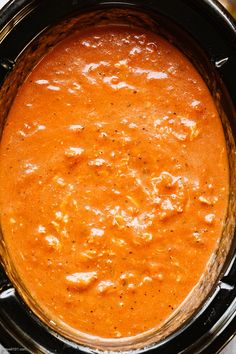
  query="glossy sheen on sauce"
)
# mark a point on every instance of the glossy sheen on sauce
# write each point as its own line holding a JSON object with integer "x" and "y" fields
{"x": 114, "y": 181}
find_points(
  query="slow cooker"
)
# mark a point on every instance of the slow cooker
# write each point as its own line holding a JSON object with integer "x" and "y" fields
{"x": 206, "y": 33}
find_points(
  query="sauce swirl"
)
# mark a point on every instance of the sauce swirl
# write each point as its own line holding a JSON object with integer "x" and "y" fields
{"x": 113, "y": 180}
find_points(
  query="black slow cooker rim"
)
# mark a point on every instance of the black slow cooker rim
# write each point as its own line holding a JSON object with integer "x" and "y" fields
{"x": 10, "y": 301}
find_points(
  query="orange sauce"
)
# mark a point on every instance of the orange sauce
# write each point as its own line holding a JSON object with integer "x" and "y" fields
{"x": 113, "y": 181}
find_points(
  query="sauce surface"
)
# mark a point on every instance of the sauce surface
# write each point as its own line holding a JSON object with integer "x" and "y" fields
{"x": 113, "y": 181}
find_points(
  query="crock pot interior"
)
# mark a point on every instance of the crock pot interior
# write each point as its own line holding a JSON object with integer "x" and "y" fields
{"x": 29, "y": 57}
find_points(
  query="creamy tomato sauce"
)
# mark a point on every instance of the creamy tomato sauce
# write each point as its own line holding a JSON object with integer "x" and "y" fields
{"x": 114, "y": 181}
